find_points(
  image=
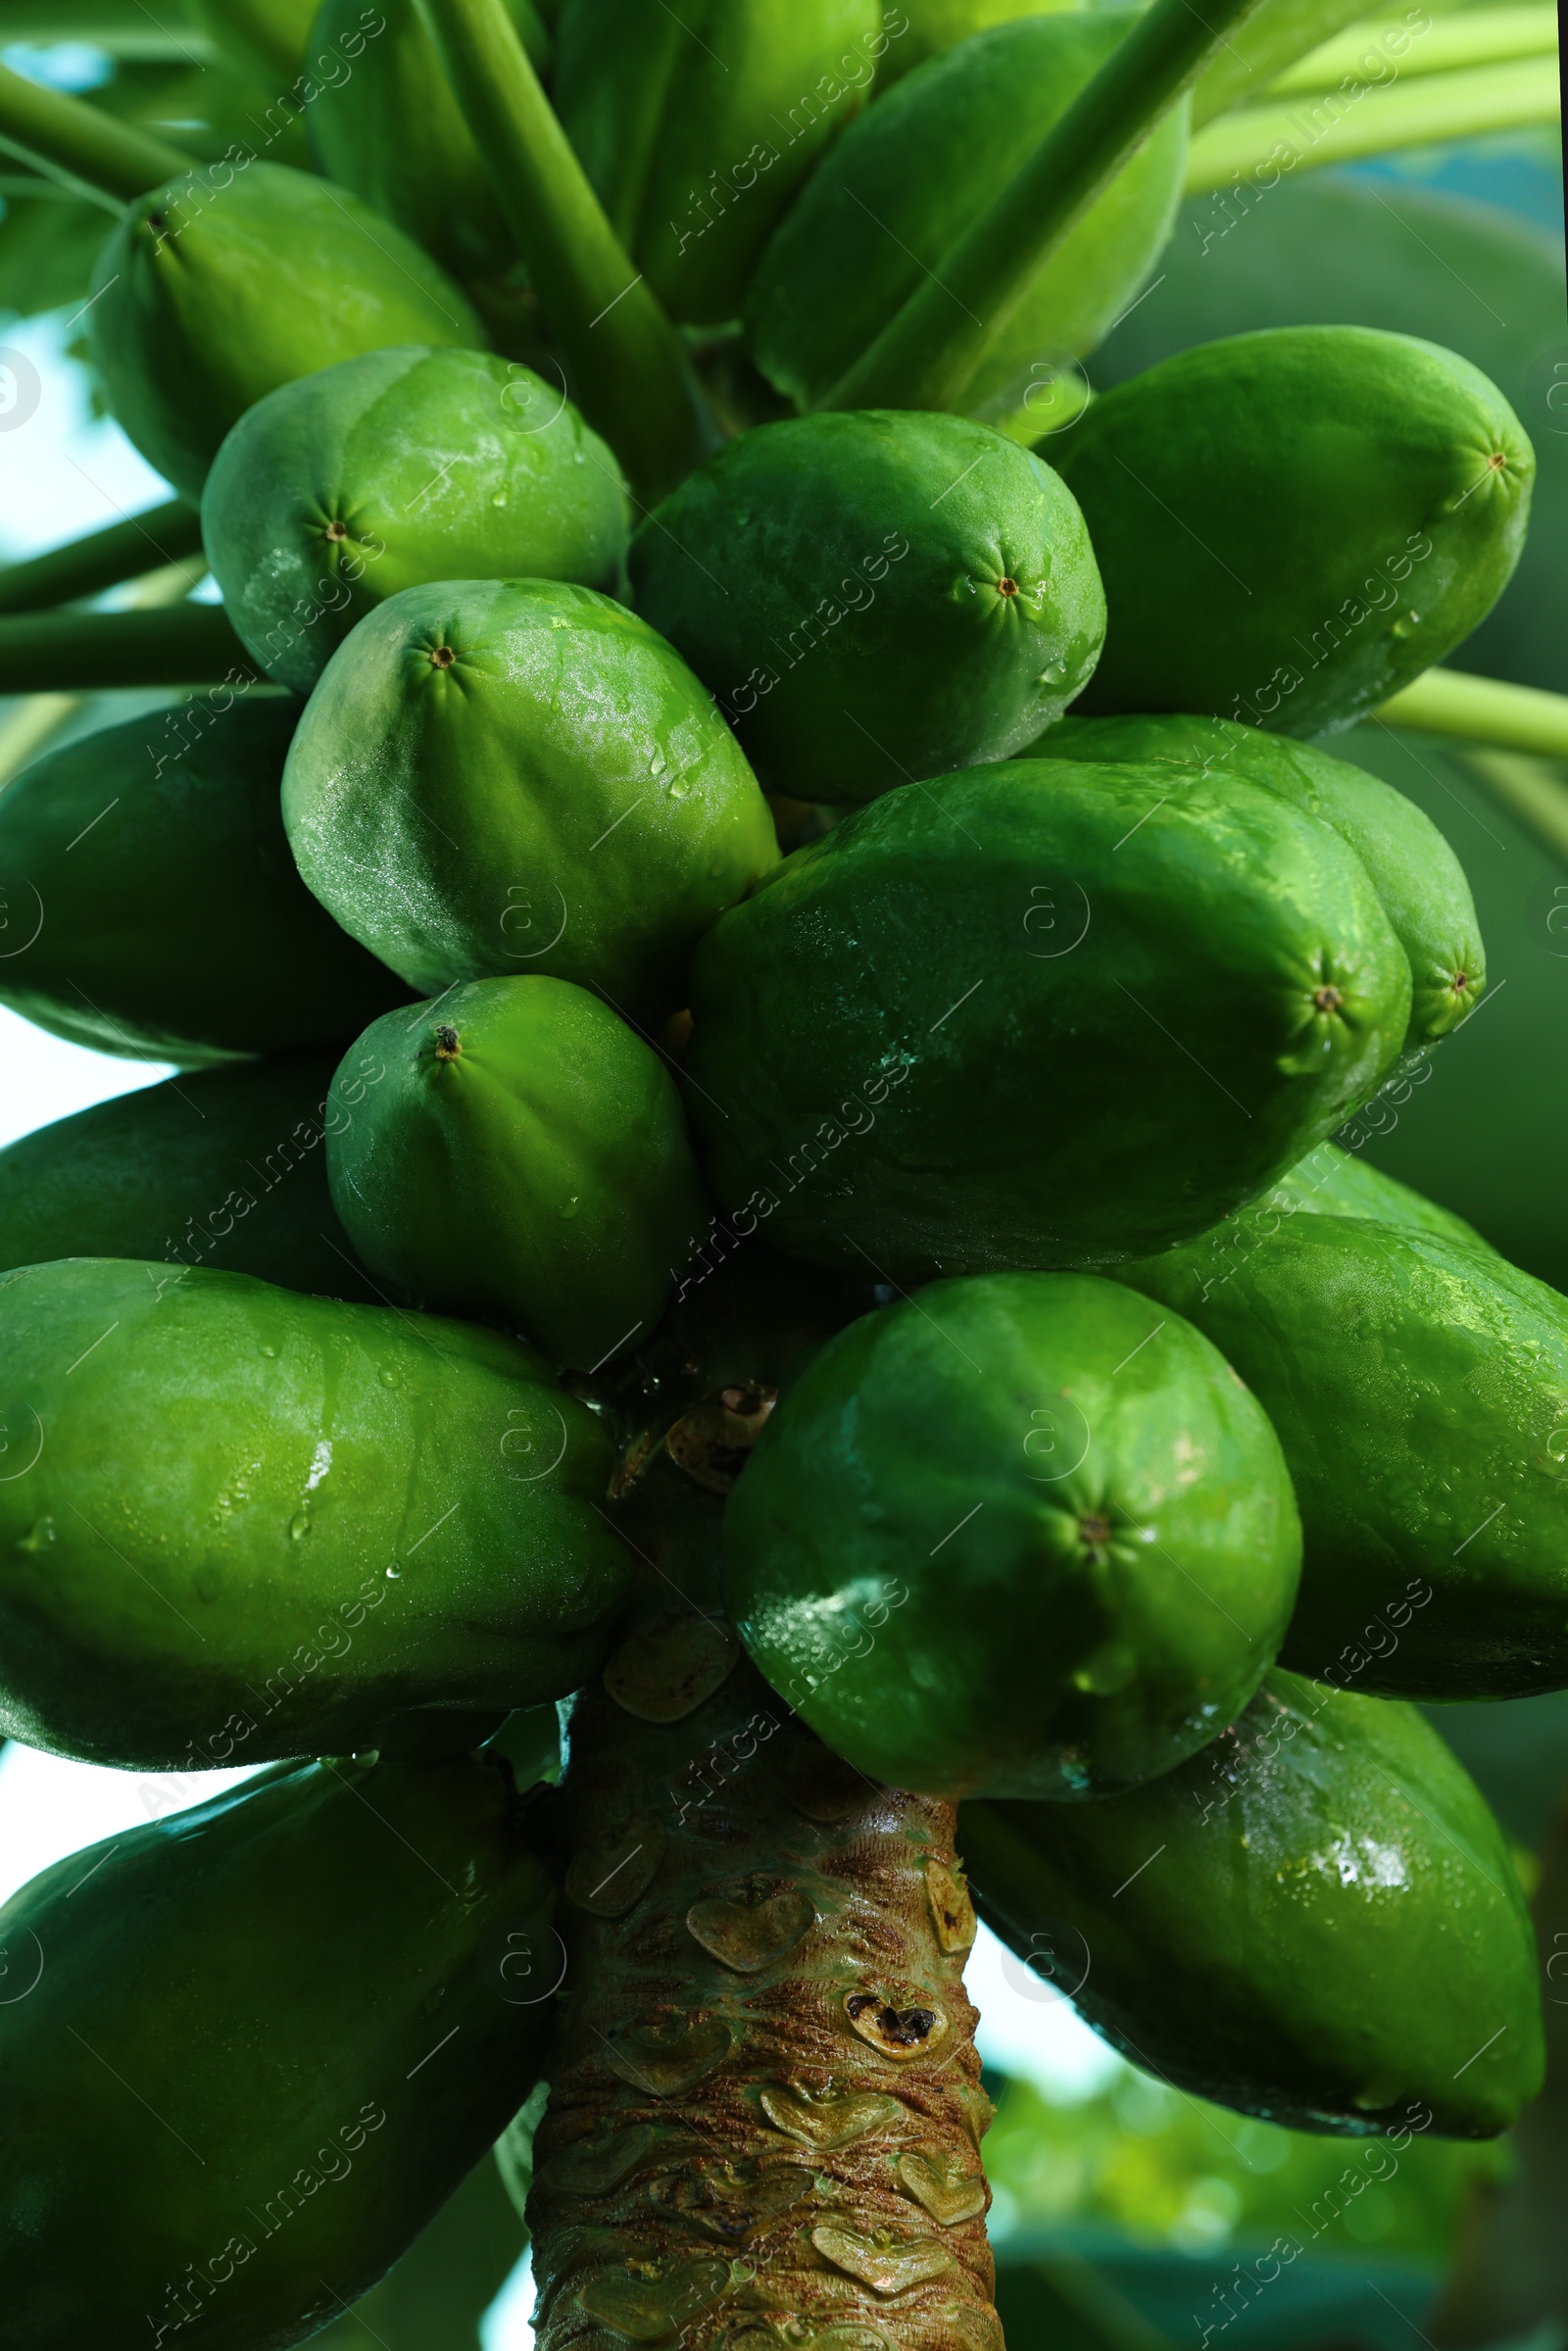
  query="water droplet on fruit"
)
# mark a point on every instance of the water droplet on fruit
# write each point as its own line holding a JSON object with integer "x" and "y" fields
{"x": 1052, "y": 675}
{"x": 499, "y": 499}
{"x": 393, "y": 1573}
{"x": 569, "y": 1208}
{"x": 299, "y": 1526}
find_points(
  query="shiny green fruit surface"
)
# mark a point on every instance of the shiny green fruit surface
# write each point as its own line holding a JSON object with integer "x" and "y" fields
{"x": 697, "y": 126}
{"x": 1417, "y": 876}
{"x": 1336, "y": 1183}
{"x": 281, "y": 2028}
{"x": 905, "y": 186}
{"x": 1020, "y": 1536}
{"x": 154, "y": 908}
{"x": 1317, "y": 1919}
{"x": 525, "y": 1160}
{"x": 495, "y": 778}
{"x": 874, "y": 597}
{"x": 935, "y": 25}
{"x": 1420, "y": 1389}
{"x": 210, "y": 294}
{"x": 385, "y": 471}
{"x": 221, "y": 1167}
{"x": 1292, "y": 525}
{"x": 1024, "y": 1016}
{"x": 239, "y": 1523}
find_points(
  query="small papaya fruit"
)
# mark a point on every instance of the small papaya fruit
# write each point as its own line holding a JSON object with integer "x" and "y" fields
{"x": 697, "y": 128}
{"x": 240, "y": 1524}
{"x": 501, "y": 776}
{"x": 264, "y": 2041}
{"x": 525, "y": 1160}
{"x": 400, "y": 467}
{"x": 209, "y": 293}
{"x": 874, "y": 597}
{"x": 1293, "y": 524}
{"x": 1419, "y": 1385}
{"x": 1028, "y": 1013}
{"x": 907, "y": 183}
{"x": 1249, "y": 1926}
{"x": 932, "y": 26}
{"x": 1018, "y": 1537}
{"x": 1416, "y": 874}
{"x": 167, "y": 921}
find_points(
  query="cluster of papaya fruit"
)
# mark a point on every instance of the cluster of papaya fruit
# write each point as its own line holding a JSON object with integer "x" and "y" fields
{"x": 736, "y": 1168}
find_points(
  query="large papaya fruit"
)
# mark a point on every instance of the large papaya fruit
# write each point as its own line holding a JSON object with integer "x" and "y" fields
{"x": 248, "y": 2051}
{"x": 397, "y": 467}
{"x": 153, "y": 905}
{"x": 236, "y": 1523}
{"x": 874, "y": 597}
{"x": 1251, "y": 1926}
{"x": 1019, "y": 1536}
{"x": 1291, "y": 525}
{"x": 1026, "y": 1013}
{"x": 1336, "y": 1183}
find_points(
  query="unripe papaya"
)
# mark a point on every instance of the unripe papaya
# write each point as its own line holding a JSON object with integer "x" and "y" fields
{"x": 388, "y": 470}
{"x": 209, "y": 293}
{"x": 1293, "y": 524}
{"x": 1336, "y": 1183}
{"x": 265, "y": 39}
{"x": 696, "y": 127}
{"x": 525, "y": 1162}
{"x": 1026, "y": 1013}
{"x": 874, "y": 597}
{"x": 501, "y": 776}
{"x": 1254, "y": 1926}
{"x": 1018, "y": 1537}
{"x": 1419, "y": 1385}
{"x": 905, "y": 186}
{"x": 1416, "y": 874}
{"x": 935, "y": 25}
{"x": 153, "y": 902}
{"x": 263, "y": 2042}
{"x": 238, "y": 1523}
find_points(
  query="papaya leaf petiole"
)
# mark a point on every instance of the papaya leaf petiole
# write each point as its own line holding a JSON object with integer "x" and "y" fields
{"x": 103, "y": 558}
{"x": 79, "y": 144}
{"x": 185, "y": 644}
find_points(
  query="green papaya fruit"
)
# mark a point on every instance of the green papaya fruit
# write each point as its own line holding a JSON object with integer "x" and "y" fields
{"x": 238, "y": 1523}
{"x": 1017, "y": 1537}
{"x": 266, "y": 2040}
{"x": 222, "y": 1169}
{"x": 1337, "y": 1183}
{"x": 1292, "y": 525}
{"x": 697, "y": 126}
{"x": 905, "y": 186}
{"x": 395, "y": 469}
{"x": 874, "y": 597}
{"x": 1254, "y": 1926}
{"x": 267, "y": 40}
{"x": 1419, "y": 1385}
{"x": 495, "y": 774}
{"x": 209, "y": 293}
{"x": 167, "y": 920}
{"x": 932, "y": 26}
{"x": 526, "y": 1161}
{"x": 1025, "y": 1014}
{"x": 1415, "y": 873}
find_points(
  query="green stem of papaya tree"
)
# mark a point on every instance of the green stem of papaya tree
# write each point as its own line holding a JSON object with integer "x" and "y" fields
{"x": 123, "y": 27}
{"x": 629, "y": 369}
{"x": 73, "y": 651}
{"x": 1531, "y": 791}
{"x": 82, "y": 144}
{"x": 125, "y": 550}
{"x": 927, "y": 354}
{"x": 1280, "y": 31}
{"x": 1482, "y": 709}
{"x": 1388, "y": 49}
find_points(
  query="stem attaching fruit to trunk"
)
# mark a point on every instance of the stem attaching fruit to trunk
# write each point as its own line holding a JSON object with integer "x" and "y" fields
{"x": 79, "y": 144}
{"x": 189, "y": 644}
{"x": 85, "y": 566}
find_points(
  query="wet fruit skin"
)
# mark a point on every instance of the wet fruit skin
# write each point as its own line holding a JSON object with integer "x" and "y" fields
{"x": 1251, "y": 1926}
{"x": 1019, "y": 1536}
{"x": 388, "y": 470}
{"x": 501, "y": 777}
{"x": 1027, "y": 1015}
{"x": 243, "y": 1524}
{"x": 1419, "y": 1386}
{"x": 874, "y": 596}
{"x": 1336, "y": 1183}
{"x": 1360, "y": 499}
{"x": 284, "y": 2027}
{"x": 170, "y": 923}
{"x": 525, "y": 1160}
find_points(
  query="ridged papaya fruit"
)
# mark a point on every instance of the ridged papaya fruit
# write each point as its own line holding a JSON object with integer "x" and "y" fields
{"x": 1293, "y": 524}
{"x": 499, "y": 777}
{"x": 283, "y": 2026}
{"x": 1023, "y": 1014}
{"x": 1018, "y": 1537}
{"x": 167, "y": 919}
{"x": 1252, "y": 1926}
{"x": 238, "y": 1524}
{"x": 1336, "y": 1183}
{"x": 932, "y": 26}
{"x": 874, "y": 597}
{"x": 388, "y": 470}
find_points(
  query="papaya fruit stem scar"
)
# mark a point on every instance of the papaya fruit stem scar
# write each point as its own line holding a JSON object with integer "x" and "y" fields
{"x": 442, "y": 657}
{"x": 337, "y": 530}
{"x": 447, "y": 1045}
{"x": 1327, "y": 999}
{"x": 1006, "y": 587}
